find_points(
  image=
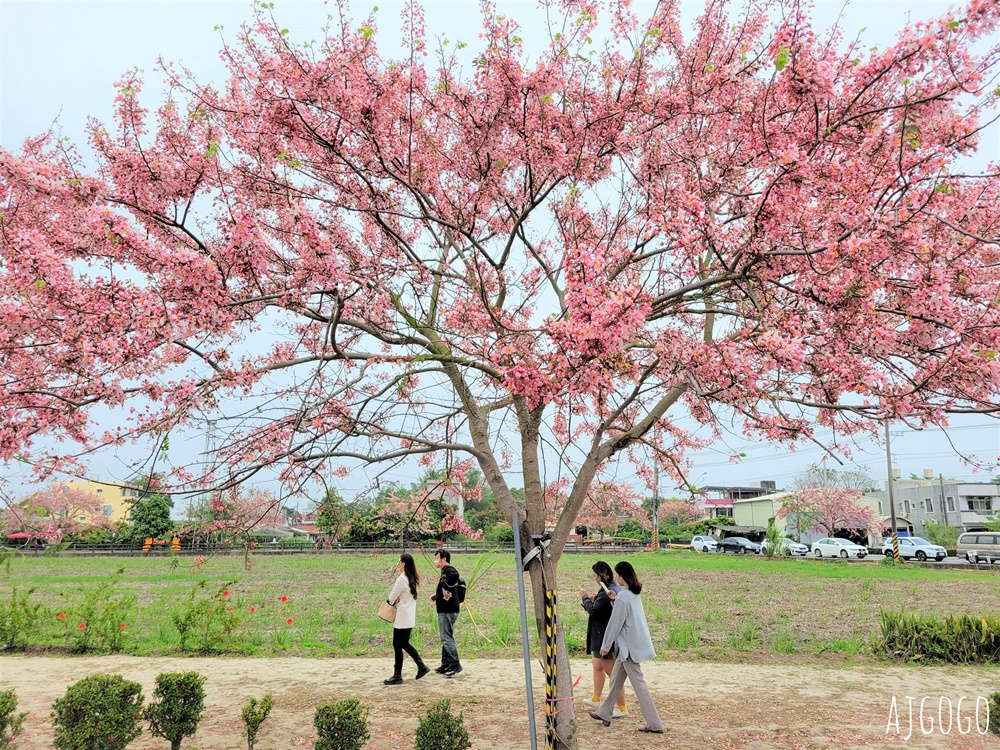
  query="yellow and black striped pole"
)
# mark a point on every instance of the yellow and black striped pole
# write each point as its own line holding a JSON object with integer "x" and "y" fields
{"x": 551, "y": 685}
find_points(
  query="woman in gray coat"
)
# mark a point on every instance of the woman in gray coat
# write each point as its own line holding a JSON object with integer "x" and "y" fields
{"x": 627, "y": 629}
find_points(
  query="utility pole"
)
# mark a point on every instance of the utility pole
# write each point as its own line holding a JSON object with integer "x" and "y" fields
{"x": 944, "y": 504}
{"x": 656, "y": 507}
{"x": 892, "y": 498}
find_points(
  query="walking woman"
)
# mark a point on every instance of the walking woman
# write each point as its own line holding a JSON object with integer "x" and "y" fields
{"x": 404, "y": 596}
{"x": 598, "y": 607}
{"x": 627, "y": 629}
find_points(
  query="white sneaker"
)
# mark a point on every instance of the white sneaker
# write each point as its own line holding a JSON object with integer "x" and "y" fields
{"x": 590, "y": 702}
{"x": 619, "y": 713}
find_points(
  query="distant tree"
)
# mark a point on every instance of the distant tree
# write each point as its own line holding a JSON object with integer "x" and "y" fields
{"x": 822, "y": 476}
{"x": 233, "y": 514}
{"x": 943, "y": 534}
{"x": 56, "y": 511}
{"x": 829, "y": 509}
{"x": 630, "y": 529}
{"x": 332, "y": 515}
{"x": 676, "y": 512}
{"x": 150, "y": 517}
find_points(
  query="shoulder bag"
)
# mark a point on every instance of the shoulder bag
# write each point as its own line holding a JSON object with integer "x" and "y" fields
{"x": 387, "y": 611}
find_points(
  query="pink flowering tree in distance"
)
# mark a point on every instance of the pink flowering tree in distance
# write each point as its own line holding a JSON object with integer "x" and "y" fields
{"x": 830, "y": 510}
{"x": 347, "y": 256}
{"x": 679, "y": 512}
{"x": 55, "y": 511}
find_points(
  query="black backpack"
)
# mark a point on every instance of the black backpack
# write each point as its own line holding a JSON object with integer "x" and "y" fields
{"x": 460, "y": 590}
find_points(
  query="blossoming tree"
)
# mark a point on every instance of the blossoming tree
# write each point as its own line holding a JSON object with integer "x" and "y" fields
{"x": 830, "y": 510}
{"x": 55, "y": 511}
{"x": 485, "y": 254}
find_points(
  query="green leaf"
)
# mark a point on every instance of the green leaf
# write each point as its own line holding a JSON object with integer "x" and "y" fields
{"x": 366, "y": 31}
{"x": 784, "y": 53}
{"x": 943, "y": 188}
{"x": 709, "y": 68}
{"x": 39, "y": 284}
{"x": 213, "y": 149}
{"x": 954, "y": 24}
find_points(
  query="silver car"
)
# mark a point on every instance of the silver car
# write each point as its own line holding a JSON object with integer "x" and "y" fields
{"x": 704, "y": 544}
{"x": 915, "y": 548}
{"x": 787, "y": 547}
{"x": 832, "y": 547}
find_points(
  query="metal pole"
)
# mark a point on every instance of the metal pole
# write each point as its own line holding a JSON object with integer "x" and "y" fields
{"x": 524, "y": 633}
{"x": 892, "y": 498}
{"x": 944, "y": 504}
{"x": 656, "y": 507}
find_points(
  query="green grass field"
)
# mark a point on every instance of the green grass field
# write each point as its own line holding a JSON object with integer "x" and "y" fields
{"x": 698, "y": 606}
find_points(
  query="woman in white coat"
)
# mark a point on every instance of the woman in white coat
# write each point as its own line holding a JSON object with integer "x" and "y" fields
{"x": 627, "y": 629}
{"x": 404, "y": 596}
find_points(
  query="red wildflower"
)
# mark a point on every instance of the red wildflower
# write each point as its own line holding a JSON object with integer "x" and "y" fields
{"x": 82, "y": 625}
{"x": 62, "y": 616}
{"x": 283, "y": 599}
{"x": 289, "y": 620}
{"x": 230, "y": 609}
{"x": 226, "y": 592}
{"x": 122, "y": 626}
{"x": 253, "y": 609}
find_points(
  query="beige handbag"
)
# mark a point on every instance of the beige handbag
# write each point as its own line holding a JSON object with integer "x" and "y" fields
{"x": 387, "y": 611}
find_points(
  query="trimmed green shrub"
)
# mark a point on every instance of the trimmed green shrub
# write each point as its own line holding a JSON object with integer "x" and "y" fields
{"x": 19, "y": 618}
{"x": 341, "y": 726}
{"x": 959, "y": 640}
{"x": 994, "y": 704}
{"x": 254, "y": 715}
{"x": 180, "y": 702}
{"x": 10, "y": 721}
{"x": 102, "y": 711}
{"x": 440, "y": 730}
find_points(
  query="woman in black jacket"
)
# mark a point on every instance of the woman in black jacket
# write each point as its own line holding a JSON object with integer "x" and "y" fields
{"x": 598, "y": 608}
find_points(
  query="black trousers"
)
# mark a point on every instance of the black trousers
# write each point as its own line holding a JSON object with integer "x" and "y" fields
{"x": 401, "y": 643}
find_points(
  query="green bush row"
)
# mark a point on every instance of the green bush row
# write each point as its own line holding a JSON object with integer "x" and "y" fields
{"x": 958, "y": 640}
{"x": 106, "y": 712}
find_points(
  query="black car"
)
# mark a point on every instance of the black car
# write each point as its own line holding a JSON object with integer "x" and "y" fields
{"x": 739, "y": 545}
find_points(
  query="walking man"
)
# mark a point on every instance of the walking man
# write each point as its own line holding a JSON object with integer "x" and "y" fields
{"x": 446, "y": 599}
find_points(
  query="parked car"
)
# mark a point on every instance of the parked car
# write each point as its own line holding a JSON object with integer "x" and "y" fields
{"x": 704, "y": 544}
{"x": 911, "y": 547}
{"x": 979, "y": 547}
{"x": 845, "y": 548}
{"x": 739, "y": 545}
{"x": 787, "y": 547}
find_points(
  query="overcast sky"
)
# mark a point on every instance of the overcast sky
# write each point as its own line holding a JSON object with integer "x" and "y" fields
{"x": 59, "y": 60}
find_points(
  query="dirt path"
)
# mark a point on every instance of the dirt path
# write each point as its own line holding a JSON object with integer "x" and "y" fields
{"x": 703, "y": 705}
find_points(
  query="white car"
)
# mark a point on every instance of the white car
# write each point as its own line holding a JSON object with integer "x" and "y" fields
{"x": 838, "y": 548}
{"x": 787, "y": 547}
{"x": 911, "y": 547}
{"x": 704, "y": 544}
